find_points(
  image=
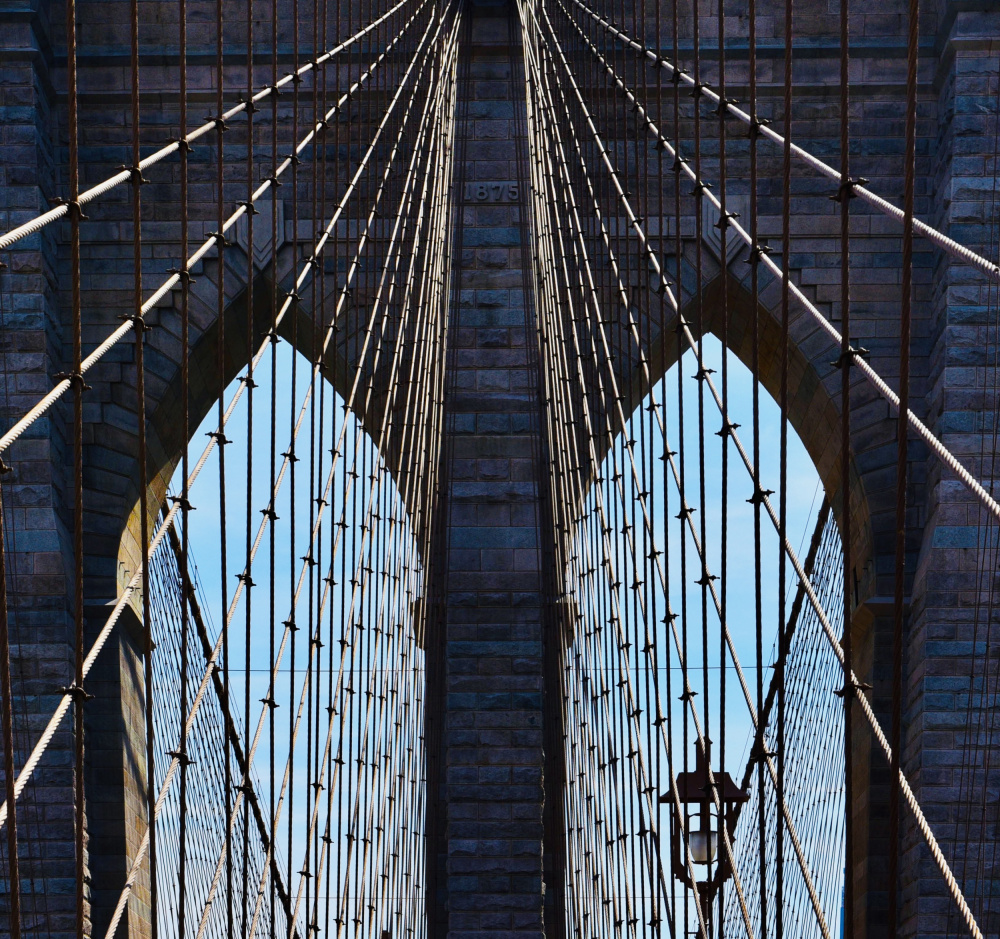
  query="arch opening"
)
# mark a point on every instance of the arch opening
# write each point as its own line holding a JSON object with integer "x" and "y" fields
{"x": 649, "y": 588}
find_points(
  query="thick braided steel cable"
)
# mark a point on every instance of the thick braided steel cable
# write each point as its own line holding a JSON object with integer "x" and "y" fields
{"x": 880, "y": 385}
{"x": 939, "y": 239}
{"x": 796, "y": 844}
{"x": 134, "y": 583}
{"x": 922, "y": 823}
{"x": 137, "y": 862}
{"x": 60, "y": 388}
{"x": 686, "y": 513}
{"x": 617, "y": 397}
{"x": 385, "y": 424}
{"x": 112, "y": 182}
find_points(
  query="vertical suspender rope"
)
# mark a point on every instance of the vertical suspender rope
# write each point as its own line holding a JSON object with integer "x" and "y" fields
{"x": 786, "y": 203}
{"x": 220, "y": 312}
{"x": 902, "y": 432}
{"x": 76, "y": 378}
{"x": 846, "y": 361}
{"x": 754, "y": 261}
{"x": 185, "y": 579}
{"x": 271, "y": 700}
{"x": 724, "y": 438}
{"x": 250, "y": 385}
{"x": 140, "y": 327}
{"x": 7, "y": 729}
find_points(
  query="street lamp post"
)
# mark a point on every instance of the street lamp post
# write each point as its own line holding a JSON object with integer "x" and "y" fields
{"x": 695, "y": 788}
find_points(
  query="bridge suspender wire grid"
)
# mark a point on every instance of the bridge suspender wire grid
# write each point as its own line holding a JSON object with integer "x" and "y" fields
{"x": 232, "y": 721}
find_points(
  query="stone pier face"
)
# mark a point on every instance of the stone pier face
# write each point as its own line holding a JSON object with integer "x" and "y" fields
{"x": 494, "y": 748}
{"x": 487, "y": 830}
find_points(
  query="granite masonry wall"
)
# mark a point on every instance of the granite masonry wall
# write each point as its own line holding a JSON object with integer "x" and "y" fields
{"x": 487, "y": 849}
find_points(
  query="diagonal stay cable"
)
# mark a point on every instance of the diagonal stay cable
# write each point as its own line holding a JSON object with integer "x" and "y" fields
{"x": 140, "y": 854}
{"x": 940, "y": 450}
{"x": 174, "y": 146}
{"x": 280, "y": 803}
{"x": 617, "y": 619}
{"x": 952, "y": 247}
{"x": 323, "y": 503}
{"x": 922, "y": 824}
{"x": 358, "y": 584}
{"x": 214, "y": 239}
{"x": 134, "y": 583}
{"x": 686, "y": 512}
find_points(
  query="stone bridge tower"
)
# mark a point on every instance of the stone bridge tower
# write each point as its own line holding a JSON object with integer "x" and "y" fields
{"x": 494, "y": 770}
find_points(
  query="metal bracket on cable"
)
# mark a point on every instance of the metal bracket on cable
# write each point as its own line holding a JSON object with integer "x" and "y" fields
{"x": 853, "y": 688}
{"x": 757, "y": 251}
{"x": 722, "y": 109}
{"x": 722, "y": 223}
{"x": 77, "y": 693}
{"x": 759, "y": 495}
{"x": 846, "y": 189}
{"x": 73, "y": 207}
{"x": 137, "y": 320}
{"x": 135, "y": 176}
{"x": 847, "y": 358}
{"x": 75, "y": 379}
{"x": 755, "y": 128}
{"x": 183, "y": 274}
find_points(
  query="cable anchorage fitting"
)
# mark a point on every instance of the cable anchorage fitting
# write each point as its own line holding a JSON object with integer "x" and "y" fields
{"x": 756, "y": 252}
{"x": 220, "y": 239}
{"x": 74, "y": 208}
{"x": 728, "y": 427}
{"x": 724, "y": 220}
{"x": 852, "y": 688}
{"x": 759, "y": 495}
{"x": 848, "y": 356}
{"x": 722, "y": 109}
{"x": 77, "y": 693}
{"x": 138, "y": 320}
{"x": 75, "y": 380}
{"x": 755, "y": 128}
{"x": 846, "y": 189}
{"x": 134, "y": 174}
{"x": 183, "y": 274}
